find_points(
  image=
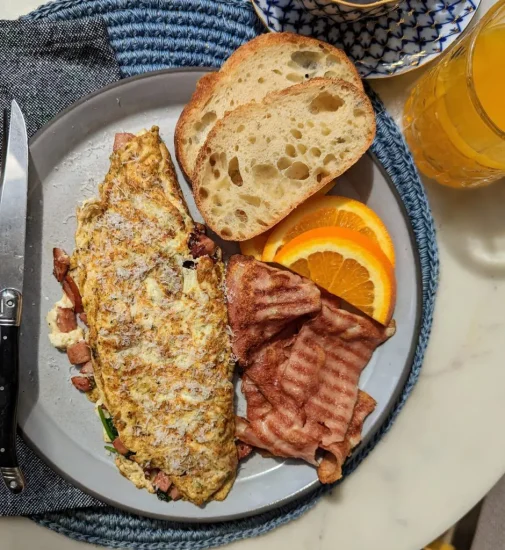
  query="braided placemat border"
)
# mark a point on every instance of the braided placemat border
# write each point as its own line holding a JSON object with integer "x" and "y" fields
{"x": 149, "y": 35}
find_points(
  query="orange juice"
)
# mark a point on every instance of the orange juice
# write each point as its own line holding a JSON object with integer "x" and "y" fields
{"x": 455, "y": 117}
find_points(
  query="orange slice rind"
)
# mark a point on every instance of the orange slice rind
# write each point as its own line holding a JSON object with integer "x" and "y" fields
{"x": 329, "y": 211}
{"x": 347, "y": 264}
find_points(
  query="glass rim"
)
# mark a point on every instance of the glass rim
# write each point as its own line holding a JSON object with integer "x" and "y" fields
{"x": 473, "y": 93}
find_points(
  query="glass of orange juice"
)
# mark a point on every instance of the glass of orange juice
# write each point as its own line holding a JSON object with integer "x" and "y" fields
{"x": 454, "y": 119}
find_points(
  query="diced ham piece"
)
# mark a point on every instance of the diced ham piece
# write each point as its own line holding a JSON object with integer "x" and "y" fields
{"x": 121, "y": 139}
{"x": 79, "y": 353}
{"x": 72, "y": 291}
{"x": 87, "y": 369}
{"x": 243, "y": 450}
{"x": 200, "y": 228}
{"x": 82, "y": 383}
{"x": 174, "y": 493}
{"x": 84, "y": 318}
{"x": 162, "y": 481}
{"x": 61, "y": 263}
{"x": 119, "y": 446}
{"x": 201, "y": 245}
{"x": 65, "y": 319}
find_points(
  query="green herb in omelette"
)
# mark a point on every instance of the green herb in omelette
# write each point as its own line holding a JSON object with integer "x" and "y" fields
{"x": 163, "y": 496}
{"x": 108, "y": 425}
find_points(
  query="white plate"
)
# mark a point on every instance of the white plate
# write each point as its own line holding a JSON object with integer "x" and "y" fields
{"x": 69, "y": 157}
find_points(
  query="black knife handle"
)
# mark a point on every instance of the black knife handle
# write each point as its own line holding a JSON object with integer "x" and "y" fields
{"x": 9, "y": 384}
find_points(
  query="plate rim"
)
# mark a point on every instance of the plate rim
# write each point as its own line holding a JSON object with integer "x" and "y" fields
{"x": 381, "y": 420}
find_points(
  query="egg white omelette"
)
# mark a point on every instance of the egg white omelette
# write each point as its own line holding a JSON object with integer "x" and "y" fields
{"x": 157, "y": 325}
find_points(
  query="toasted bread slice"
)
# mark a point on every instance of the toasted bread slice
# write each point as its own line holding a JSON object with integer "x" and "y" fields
{"x": 263, "y": 159}
{"x": 268, "y": 63}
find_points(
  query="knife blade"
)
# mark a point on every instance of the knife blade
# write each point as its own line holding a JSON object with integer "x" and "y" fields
{"x": 13, "y": 205}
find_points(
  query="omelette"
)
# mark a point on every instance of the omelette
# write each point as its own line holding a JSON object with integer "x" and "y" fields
{"x": 152, "y": 293}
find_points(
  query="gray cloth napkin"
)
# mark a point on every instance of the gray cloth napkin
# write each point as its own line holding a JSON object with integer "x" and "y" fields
{"x": 46, "y": 67}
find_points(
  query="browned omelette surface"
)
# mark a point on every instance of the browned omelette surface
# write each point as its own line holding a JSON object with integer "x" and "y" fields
{"x": 157, "y": 323}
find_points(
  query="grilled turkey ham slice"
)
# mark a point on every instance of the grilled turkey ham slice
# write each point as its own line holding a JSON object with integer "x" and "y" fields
{"x": 330, "y": 467}
{"x": 262, "y": 300}
{"x": 301, "y": 364}
{"x": 346, "y": 342}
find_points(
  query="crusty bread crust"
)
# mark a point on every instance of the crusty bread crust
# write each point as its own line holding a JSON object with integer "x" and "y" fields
{"x": 246, "y": 111}
{"x": 208, "y": 84}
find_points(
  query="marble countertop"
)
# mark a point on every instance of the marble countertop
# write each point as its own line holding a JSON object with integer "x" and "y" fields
{"x": 447, "y": 448}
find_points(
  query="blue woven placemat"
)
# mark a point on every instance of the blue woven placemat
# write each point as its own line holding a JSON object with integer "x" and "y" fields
{"x": 154, "y": 34}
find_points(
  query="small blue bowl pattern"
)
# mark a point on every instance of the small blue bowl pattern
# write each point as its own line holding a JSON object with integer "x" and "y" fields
{"x": 414, "y": 33}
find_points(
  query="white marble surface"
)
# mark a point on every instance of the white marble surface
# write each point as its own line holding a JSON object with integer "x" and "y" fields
{"x": 447, "y": 448}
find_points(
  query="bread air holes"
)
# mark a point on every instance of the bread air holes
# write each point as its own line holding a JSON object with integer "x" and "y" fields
{"x": 261, "y": 80}
{"x": 306, "y": 59}
{"x": 325, "y": 131}
{"x": 293, "y": 77}
{"x": 296, "y": 133}
{"x": 240, "y": 128}
{"x": 338, "y": 140}
{"x": 208, "y": 118}
{"x": 252, "y": 140}
{"x": 241, "y": 215}
{"x": 276, "y": 71}
{"x": 251, "y": 200}
{"x": 290, "y": 150}
{"x": 321, "y": 174}
{"x": 301, "y": 148}
{"x": 234, "y": 172}
{"x": 261, "y": 222}
{"x": 297, "y": 171}
{"x": 332, "y": 60}
{"x": 329, "y": 158}
{"x": 330, "y": 74}
{"x": 278, "y": 192}
{"x": 315, "y": 152}
{"x": 284, "y": 163}
{"x": 263, "y": 173}
{"x": 325, "y": 102}
{"x": 226, "y": 232}
{"x": 358, "y": 112}
{"x": 204, "y": 193}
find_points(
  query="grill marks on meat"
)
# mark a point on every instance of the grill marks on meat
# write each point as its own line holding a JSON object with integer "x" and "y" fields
{"x": 347, "y": 341}
{"x": 262, "y": 300}
{"x": 330, "y": 467}
{"x": 301, "y": 363}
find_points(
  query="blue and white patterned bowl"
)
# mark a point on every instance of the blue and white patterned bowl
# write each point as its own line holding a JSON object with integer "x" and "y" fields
{"x": 341, "y": 11}
{"x": 414, "y": 33}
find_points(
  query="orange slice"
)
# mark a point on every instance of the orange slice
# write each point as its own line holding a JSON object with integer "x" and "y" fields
{"x": 254, "y": 247}
{"x": 347, "y": 264}
{"x": 328, "y": 211}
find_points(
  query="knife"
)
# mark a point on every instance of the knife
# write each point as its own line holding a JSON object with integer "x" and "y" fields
{"x": 13, "y": 199}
